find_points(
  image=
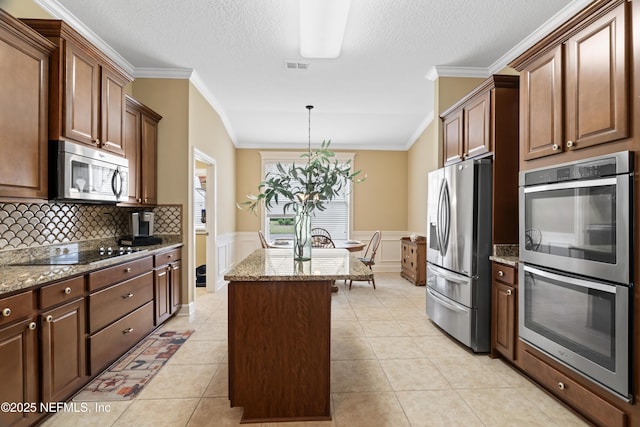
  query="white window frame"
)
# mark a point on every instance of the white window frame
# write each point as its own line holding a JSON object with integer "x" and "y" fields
{"x": 294, "y": 156}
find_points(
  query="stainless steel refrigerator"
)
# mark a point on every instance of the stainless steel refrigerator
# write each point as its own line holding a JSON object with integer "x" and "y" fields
{"x": 459, "y": 245}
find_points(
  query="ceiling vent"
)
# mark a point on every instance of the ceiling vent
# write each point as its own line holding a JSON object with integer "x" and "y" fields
{"x": 295, "y": 65}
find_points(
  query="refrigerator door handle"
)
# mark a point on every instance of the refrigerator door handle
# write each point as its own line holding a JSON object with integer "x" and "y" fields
{"x": 449, "y": 304}
{"x": 439, "y": 220}
{"x": 446, "y": 217}
{"x": 451, "y": 277}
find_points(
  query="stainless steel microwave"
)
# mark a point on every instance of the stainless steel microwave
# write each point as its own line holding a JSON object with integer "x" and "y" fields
{"x": 84, "y": 174}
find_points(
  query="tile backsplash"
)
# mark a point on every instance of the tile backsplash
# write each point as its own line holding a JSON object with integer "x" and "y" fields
{"x": 26, "y": 225}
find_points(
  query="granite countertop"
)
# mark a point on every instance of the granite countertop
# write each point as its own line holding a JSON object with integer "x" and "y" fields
{"x": 266, "y": 265}
{"x": 21, "y": 277}
{"x": 506, "y": 254}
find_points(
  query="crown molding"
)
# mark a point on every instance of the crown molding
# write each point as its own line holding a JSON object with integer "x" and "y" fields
{"x": 215, "y": 104}
{"x": 445, "y": 71}
{"x": 55, "y": 9}
{"x": 163, "y": 73}
{"x": 419, "y": 130}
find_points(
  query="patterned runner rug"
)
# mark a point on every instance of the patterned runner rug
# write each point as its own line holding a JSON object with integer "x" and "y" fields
{"x": 126, "y": 377}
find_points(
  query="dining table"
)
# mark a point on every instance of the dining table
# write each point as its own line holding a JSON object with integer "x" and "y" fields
{"x": 350, "y": 245}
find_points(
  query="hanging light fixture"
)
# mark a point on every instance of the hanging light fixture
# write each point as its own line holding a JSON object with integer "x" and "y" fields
{"x": 322, "y": 25}
{"x": 309, "y": 107}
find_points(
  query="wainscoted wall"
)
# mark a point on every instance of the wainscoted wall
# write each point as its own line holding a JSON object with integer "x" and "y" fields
{"x": 26, "y": 225}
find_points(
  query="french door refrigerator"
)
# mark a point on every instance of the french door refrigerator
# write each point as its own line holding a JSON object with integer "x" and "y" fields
{"x": 459, "y": 245}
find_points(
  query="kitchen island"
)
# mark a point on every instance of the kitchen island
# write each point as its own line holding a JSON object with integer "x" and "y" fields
{"x": 280, "y": 332}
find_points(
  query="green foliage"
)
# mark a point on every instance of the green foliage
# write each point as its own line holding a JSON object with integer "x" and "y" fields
{"x": 310, "y": 186}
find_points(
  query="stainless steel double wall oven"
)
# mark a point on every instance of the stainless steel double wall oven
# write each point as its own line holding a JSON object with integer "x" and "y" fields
{"x": 576, "y": 277}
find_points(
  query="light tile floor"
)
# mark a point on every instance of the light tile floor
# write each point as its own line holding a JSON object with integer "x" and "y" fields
{"x": 390, "y": 367}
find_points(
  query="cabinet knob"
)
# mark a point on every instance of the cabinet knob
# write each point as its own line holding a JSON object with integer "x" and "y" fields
{"x": 129, "y": 295}
{"x": 127, "y": 270}
{"x": 6, "y": 312}
{"x": 508, "y": 291}
{"x": 561, "y": 386}
{"x": 49, "y": 319}
{"x": 97, "y": 142}
{"x": 555, "y": 147}
{"x": 67, "y": 290}
{"x": 139, "y": 200}
{"x": 500, "y": 273}
{"x": 569, "y": 144}
{"x": 32, "y": 326}
{"x": 127, "y": 331}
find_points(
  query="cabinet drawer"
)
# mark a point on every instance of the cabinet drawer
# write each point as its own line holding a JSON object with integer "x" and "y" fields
{"x": 108, "y": 276}
{"x": 167, "y": 257}
{"x": 115, "y": 340}
{"x": 112, "y": 303}
{"x": 65, "y": 291}
{"x": 572, "y": 393}
{"x": 16, "y": 307}
{"x": 503, "y": 273}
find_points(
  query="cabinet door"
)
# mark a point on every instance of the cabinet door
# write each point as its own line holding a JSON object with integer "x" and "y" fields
{"x": 504, "y": 300}
{"x": 452, "y": 127}
{"x": 112, "y": 112}
{"x": 64, "y": 363}
{"x": 149, "y": 159}
{"x": 82, "y": 93}
{"x": 161, "y": 295}
{"x": 477, "y": 126}
{"x": 541, "y": 106}
{"x": 19, "y": 370}
{"x": 176, "y": 282}
{"x": 24, "y": 77}
{"x": 132, "y": 150}
{"x": 597, "y": 82}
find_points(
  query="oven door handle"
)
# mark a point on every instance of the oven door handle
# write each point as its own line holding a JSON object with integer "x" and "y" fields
{"x": 572, "y": 280}
{"x": 572, "y": 184}
{"x": 449, "y": 304}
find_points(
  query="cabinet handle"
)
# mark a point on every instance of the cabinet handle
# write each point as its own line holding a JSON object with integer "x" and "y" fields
{"x": 555, "y": 147}
{"x": 67, "y": 290}
{"x": 139, "y": 200}
{"x": 176, "y": 267}
{"x": 127, "y": 331}
{"x": 561, "y": 386}
{"x": 129, "y": 295}
{"x": 32, "y": 326}
{"x": 97, "y": 142}
{"x": 500, "y": 273}
{"x": 127, "y": 270}
{"x": 49, "y": 319}
{"x": 6, "y": 312}
{"x": 508, "y": 291}
{"x": 569, "y": 144}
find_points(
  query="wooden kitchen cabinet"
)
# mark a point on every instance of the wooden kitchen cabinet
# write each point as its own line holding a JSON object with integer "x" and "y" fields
{"x": 24, "y": 86}
{"x": 19, "y": 345}
{"x": 167, "y": 284}
{"x": 574, "y": 90}
{"x": 414, "y": 260}
{"x": 86, "y": 94}
{"x": 504, "y": 307}
{"x": 486, "y": 117}
{"x": 141, "y": 141}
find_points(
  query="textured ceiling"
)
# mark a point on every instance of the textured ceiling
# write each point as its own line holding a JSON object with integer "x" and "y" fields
{"x": 374, "y": 96}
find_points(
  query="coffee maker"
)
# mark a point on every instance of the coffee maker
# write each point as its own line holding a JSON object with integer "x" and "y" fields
{"x": 141, "y": 225}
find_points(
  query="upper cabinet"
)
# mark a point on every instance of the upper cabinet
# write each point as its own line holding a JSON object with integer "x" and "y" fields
{"x": 24, "y": 83}
{"x": 87, "y": 90}
{"x": 471, "y": 126}
{"x": 141, "y": 140}
{"x": 574, "y": 89}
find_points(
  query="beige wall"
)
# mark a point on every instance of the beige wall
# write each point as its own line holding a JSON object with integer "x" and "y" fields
{"x": 24, "y": 9}
{"x": 380, "y": 202}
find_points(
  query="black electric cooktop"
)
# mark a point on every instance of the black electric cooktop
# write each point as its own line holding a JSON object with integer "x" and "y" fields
{"x": 82, "y": 257}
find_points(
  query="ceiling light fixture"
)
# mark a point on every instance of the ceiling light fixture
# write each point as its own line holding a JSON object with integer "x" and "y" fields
{"x": 322, "y": 25}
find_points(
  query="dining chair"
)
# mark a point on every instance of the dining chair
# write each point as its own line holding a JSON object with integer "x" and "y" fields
{"x": 321, "y": 241}
{"x": 263, "y": 240}
{"x": 369, "y": 258}
{"x": 318, "y": 231}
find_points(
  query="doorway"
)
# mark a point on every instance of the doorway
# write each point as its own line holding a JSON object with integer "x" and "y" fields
{"x": 204, "y": 223}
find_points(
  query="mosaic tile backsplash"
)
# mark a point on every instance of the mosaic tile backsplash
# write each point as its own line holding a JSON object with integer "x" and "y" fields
{"x": 26, "y": 225}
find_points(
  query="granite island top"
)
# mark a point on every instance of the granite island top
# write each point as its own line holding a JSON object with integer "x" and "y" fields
{"x": 268, "y": 265}
{"x": 21, "y": 277}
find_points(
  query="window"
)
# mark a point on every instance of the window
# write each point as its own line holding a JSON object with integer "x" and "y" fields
{"x": 336, "y": 219}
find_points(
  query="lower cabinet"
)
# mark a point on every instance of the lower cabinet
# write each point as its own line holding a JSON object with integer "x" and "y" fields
{"x": 504, "y": 307}
{"x": 167, "y": 284}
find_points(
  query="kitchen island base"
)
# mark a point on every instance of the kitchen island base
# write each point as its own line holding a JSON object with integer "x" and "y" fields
{"x": 279, "y": 349}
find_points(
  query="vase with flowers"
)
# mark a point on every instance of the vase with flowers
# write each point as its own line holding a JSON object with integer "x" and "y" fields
{"x": 306, "y": 186}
